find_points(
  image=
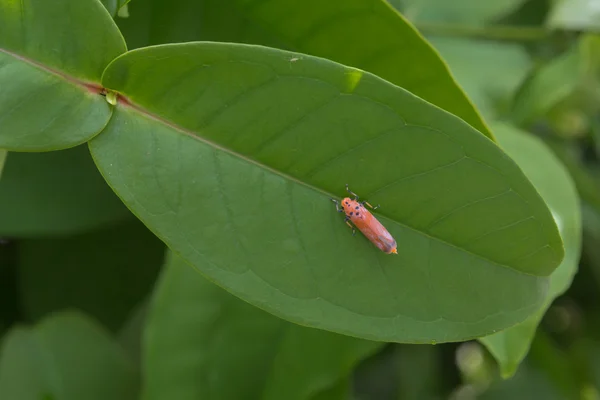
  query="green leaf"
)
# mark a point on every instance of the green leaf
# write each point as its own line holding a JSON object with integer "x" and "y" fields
{"x": 231, "y": 156}
{"x": 591, "y": 238}
{"x": 569, "y": 81}
{"x": 130, "y": 334}
{"x": 3, "y": 154}
{"x": 552, "y": 180}
{"x": 471, "y": 12}
{"x": 104, "y": 273}
{"x": 375, "y": 377}
{"x": 549, "y": 85}
{"x": 366, "y": 34}
{"x": 419, "y": 372}
{"x": 54, "y": 193}
{"x": 490, "y": 72}
{"x": 528, "y": 383}
{"x": 575, "y": 15}
{"x": 199, "y": 339}
{"x": 585, "y": 176}
{"x": 340, "y": 391}
{"x": 113, "y": 6}
{"x": 65, "y": 357}
{"x": 52, "y": 54}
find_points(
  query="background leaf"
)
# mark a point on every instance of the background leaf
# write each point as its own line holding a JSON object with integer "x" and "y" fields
{"x": 548, "y": 86}
{"x": 266, "y": 170}
{"x": 575, "y": 14}
{"x": 528, "y": 383}
{"x": 3, "y": 154}
{"x": 103, "y": 273}
{"x": 113, "y": 6}
{"x": 418, "y": 371}
{"x": 489, "y": 72}
{"x": 199, "y": 339}
{"x": 469, "y": 12}
{"x": 366, "y": 34}
{"x": 66, "y": 357}
{"x": 55, "y": 193}
{"x": 568, "y": 83}
{"x": 558, "y": 190}
{"x": 49, "y": 77}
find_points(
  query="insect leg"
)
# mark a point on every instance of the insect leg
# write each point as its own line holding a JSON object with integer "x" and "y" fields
{"x": 351, "y": 192}
{"x": 374, "y": 208}
{"x": 350, "y": 225}
{"x": 337, "y": 205}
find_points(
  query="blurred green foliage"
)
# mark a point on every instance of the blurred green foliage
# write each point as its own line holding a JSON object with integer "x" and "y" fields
{"x": 532, "y": 69}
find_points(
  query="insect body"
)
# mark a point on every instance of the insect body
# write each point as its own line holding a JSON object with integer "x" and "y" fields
{"x": 365, "y": 222}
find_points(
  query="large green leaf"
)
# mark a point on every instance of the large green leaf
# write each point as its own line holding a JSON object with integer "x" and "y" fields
{"x": 59, "y": 192}
{"x": 65, "y": 357}
{"x": 52, "y": 54}
{"x": 366, "y": 34}
{"x": 231, "y": 155}
{"x": 199, "y": 339}
{"x": 104, "y": 273}
{"x": 558, "y": 190}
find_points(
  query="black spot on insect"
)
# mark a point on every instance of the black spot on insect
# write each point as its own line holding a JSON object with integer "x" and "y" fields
{"x": 357, "y": 214}
{"x": 356, "y": 208}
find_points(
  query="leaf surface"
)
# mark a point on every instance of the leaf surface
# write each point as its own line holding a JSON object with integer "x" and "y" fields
{"x": 238, "y": 182}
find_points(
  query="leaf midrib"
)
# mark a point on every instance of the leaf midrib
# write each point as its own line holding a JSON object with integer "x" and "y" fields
{"x": 144, "y": 112}
{"x": 90, "y": 86}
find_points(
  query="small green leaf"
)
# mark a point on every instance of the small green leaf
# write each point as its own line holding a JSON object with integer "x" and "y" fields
{"x": 52, "y": 54}
{"x": 103, "y": 273}
{"x": 569, "y": 82}
{"x": 65, "y": 357}
{"x": 488, "y": 71}
{"x": 575, "y": 15}
{"x": 55, "y": 193}
{"x": 232, "y": 157}
{"x": 199, "y": 339}
{"x": 546, "y": 87}
{"x": 552, "y": 180}
{"x": 114, "y": 6}
{"x": 471, "y": 12}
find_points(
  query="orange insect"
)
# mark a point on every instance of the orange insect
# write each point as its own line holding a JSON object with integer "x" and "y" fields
{"x": 365, "y": 222}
